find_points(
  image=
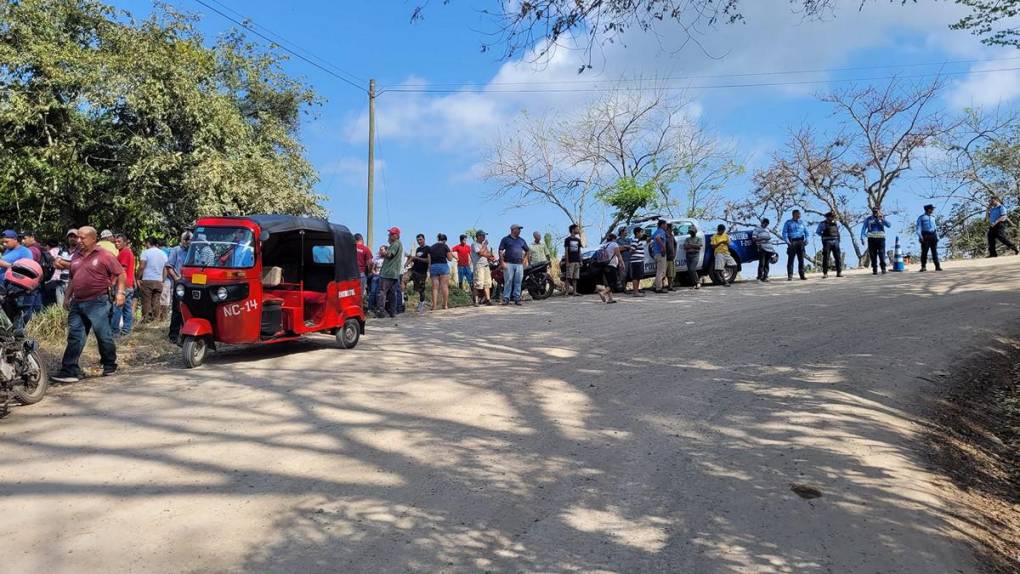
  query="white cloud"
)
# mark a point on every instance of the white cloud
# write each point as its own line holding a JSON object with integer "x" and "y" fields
{"x": 772, "y": 39}
{"x": 986, "y": 89}
{"x": 349, "y": 170}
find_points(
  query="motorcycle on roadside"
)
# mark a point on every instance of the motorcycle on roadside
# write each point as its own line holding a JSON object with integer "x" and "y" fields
{"x": 22, "y": 373}
{"x": 537, "y": 281}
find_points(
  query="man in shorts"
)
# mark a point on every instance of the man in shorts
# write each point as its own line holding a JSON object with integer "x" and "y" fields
{"x": 572, "y": 256}
{"x": 420, "y": 262}
{"x": 481, "y": 258}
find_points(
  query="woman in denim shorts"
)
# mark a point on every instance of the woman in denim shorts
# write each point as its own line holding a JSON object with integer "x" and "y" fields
{"x": 440, "y": 272}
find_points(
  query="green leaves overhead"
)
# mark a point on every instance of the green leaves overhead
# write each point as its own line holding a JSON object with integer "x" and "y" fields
{"x": 139, "y": 126}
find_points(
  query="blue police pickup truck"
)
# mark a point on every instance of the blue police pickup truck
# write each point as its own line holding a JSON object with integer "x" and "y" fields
{"x": 742, "y": 248}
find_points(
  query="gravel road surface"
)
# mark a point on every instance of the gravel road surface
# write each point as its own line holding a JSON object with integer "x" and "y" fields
{"x": 661, "y": 434}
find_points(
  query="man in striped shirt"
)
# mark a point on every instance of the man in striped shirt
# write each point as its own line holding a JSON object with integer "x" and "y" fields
{"x": 638, "y": 248}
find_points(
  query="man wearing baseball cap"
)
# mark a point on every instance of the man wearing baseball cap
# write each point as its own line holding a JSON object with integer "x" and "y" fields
{"x": 106, "y": 242}
{"x": 513, "y": 255}
{"x": 481, "y": 258}
{"x": 392, "y": 268}
{"x": 13, "y": 250}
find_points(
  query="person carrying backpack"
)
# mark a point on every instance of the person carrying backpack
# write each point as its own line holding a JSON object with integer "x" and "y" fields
{"x": 609, "y": 259}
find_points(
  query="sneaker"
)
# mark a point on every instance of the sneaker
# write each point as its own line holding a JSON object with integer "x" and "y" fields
{"x": 790, "y": 278}
{"x": 506, "y": 302}
{"x": 109, "y": 372}
{"x": 421, "y": 307}
{"x": 875, "y": 272}
{"x": 883, "y": 272}
{"x": 839, "y": 274}
{"x": 518, "y": 303}
{"x": 921, "y": 270}
{"x": 697, "y": 286}
{"x": 938, "y": 269}
{"x": 65, "y": 378}
{"x": 764, "y": 279}
{"x": 825, "y": 275}
{"x": 803, "y": 278}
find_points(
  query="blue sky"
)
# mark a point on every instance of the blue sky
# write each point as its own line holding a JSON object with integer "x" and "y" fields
{"x": 430, "y": 146}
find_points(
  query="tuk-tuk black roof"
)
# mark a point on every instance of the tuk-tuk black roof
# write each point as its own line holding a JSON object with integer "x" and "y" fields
{"x": 344, "y": 252}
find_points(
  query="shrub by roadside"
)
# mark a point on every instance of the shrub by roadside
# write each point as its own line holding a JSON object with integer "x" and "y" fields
{"x": 974, "y": 440}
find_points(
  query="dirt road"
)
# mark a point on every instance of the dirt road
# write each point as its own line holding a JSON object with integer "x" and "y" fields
{"x": 656, "y": 435}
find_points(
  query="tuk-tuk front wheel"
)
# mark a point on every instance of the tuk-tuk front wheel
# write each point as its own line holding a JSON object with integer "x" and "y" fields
{"x": 195, "y": 350}
{"x": 348, "y": 335}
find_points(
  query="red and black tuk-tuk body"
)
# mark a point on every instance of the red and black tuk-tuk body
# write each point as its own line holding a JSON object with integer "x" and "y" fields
{"x": 268, "y": 279}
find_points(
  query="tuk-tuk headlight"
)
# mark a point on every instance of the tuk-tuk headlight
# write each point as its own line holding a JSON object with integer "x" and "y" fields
{"x": 221, "y": 294}
{"x": 180, "y": 291}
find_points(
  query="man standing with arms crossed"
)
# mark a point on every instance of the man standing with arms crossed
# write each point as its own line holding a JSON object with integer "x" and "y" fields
{"x": 997, "y": 217}
{"x": 873, "y": 230}
{"x": 795, "y": 234}
{"x": 481, "y": 258}
{"x": 93, "y": 270}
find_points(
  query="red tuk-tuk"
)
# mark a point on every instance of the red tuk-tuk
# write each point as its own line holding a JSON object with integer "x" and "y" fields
{"x": 268, "y": 279}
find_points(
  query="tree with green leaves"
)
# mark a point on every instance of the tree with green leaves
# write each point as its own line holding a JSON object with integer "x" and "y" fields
{"x": 628, "y": 197}
{"x": 139, "y": 126}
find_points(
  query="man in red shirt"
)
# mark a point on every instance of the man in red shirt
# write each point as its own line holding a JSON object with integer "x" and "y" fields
{"x": 93, "y": 270}
{"x": 464, "y": 270}
{"x": 364, "y": 255}
{"x": 124, "y": 315}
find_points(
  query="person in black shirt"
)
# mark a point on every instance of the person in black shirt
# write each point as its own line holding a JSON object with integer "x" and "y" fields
{"x": 420, "y": 269}
{"x": 572, "y": 256}
{"x": 828, "y": 230}
{"x": 440, "y": 254}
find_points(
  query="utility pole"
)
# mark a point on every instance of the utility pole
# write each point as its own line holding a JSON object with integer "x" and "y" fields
{"x": 371, "y": 163}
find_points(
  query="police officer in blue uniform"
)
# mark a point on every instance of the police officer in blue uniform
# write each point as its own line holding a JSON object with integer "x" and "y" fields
{"x": 929, "y": 237}
{"x": 795, "y": 234}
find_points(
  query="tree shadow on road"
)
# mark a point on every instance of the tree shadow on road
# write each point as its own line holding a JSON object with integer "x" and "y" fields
{"x": 449, "y": 446}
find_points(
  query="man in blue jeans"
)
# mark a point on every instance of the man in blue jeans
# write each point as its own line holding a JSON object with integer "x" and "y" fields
{"x": 513, "y": 256}
{"x": 93, "y": 270}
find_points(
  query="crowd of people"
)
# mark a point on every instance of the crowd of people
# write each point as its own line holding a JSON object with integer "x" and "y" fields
{"x": 99, "y": 278}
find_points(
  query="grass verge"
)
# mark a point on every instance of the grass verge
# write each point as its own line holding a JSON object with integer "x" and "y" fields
{"x": 147, "y": 345}
{"x": 975, "y": 442}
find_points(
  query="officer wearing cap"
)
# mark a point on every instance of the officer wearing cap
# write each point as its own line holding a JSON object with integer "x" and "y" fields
{"x": 513, "y": 256}
{"x": 928, "y": 234}
{"x": 389, "y": 274}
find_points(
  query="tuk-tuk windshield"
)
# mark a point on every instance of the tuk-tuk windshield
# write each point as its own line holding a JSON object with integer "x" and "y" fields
{"x": 224, "y": 247}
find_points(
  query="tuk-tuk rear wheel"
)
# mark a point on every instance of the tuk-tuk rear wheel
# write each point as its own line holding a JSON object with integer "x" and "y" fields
{"x": 348, "y": 335}
{"x": 194, "y": 350}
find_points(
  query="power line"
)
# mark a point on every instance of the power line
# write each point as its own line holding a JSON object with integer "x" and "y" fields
{"x": 252, "y": 29}
{"x": 281, "y": 40}
{"x": 484, "y": 90}
{"x": 712, "y": 76}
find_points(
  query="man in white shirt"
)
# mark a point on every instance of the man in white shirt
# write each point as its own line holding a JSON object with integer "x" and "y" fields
{"x": 150, "y": 268}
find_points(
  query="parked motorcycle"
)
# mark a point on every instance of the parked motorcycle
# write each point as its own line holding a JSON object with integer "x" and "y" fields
{"x": 22, "y": 373}
{"x": 537, "y": 281}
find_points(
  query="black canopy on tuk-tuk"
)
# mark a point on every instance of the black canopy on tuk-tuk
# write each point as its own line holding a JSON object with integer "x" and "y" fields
{"x": 344, "y": 253}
